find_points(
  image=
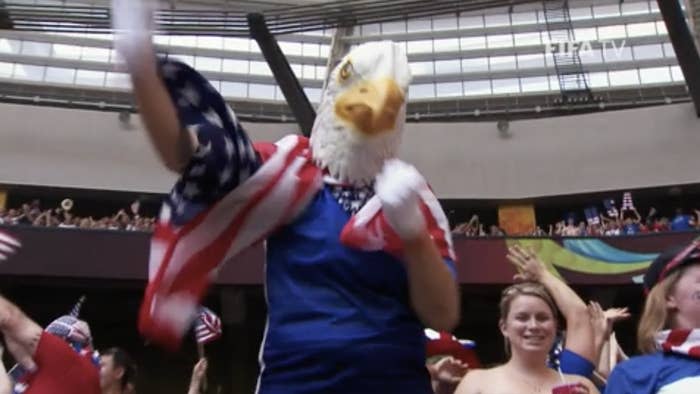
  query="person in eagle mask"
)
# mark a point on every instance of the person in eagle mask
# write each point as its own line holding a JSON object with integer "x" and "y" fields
{"x": 359, "y": 256}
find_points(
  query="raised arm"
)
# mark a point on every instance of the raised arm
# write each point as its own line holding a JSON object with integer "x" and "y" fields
{"x": 133, "y": 22}
{"x": 579, "y": 334}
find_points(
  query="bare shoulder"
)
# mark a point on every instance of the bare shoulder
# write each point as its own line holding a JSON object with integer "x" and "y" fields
{"x": 585, "y": 381}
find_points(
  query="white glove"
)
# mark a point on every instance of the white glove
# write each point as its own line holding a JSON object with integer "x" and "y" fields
{"x": 132, "y": 21}
{"x": 8, "y": 245}
{"x": 398, "y": 187}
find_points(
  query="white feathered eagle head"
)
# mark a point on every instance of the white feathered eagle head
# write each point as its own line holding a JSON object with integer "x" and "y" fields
{"x": 362, "y": 113}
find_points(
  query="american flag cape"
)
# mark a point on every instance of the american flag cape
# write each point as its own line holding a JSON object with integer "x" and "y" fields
{"x": 207, "y": 327}
{"x": 184, "y": 259}
{"x": 685, "y": 342}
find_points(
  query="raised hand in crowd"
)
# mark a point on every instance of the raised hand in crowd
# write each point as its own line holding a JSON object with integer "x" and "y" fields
{"x": 198, "y": 373}
{"x": 446, "y": 374}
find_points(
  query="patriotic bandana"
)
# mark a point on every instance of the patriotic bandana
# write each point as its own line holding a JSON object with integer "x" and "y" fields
{"x": 683, "y": 342}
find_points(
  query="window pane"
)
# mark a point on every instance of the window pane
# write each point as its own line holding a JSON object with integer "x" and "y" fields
{"x": 527, "y": 39}
{"x": 91, "y": 78}
{"x": 641, "y": 29}
{"x": 95, "y": 54}
{"x": 606, "y": 11}
{"x": 677, "y": 74}
{"x": 36, "y": 48}
{"x": 586, "y": 34}
{"x": 370, "y": 29}
{"x": 234, "y": 89}
{"x": 311, "y": 50}
{"x": 447, "y": 44}
{"x": 479, "y": 64}
{"x": 468, "y": 43}
{"x": 609, "y": 32}
{"x": 29, "y": 73}
{"x": 415, "y": 25}
{"x": 534, "y": 84}
{"x": 421, "y": 91}
{"x": 494, "y": 20}
{"x": 422, "y": 46}
{"x": 624, "y": 78}
{"x": 524, "y": 18}
{"x": 66, "y": 51}
{"x": 580, "y": 13}
{"x": 471, "y": 22}
{"x": 499, "y": 63}
{"x": 531, "y": 61}
{"x": 477, "y": 88}
{"x": 598, "y": 80}
{"x": 447, "y": 67}
{"x": 259, "y": 68}
{"x": 207, "y": 63}
{"x": 655, "y": 75}
{"x": 393, "y": 27}
{"x": 504, "y": 86}
{"x": 236, "y": 44}
{"x": 669, "y": 51}
{"x": 447, "y": 23}
{"x": 260, "y": 91}
{"x": 308, "y": 71}
{"x": 117, "y": 80}
{"x": 59, "y": 75}
{"x": 185, "y": 41}
{"x": 500, "y": 40}
{"x": 421, "y": 68}
{"x": 653, "y": 51}
{"x": 449, "y": 89}
{"x": 661, "y": 28}
{"x": 235, "y": 66}
{"x": 160, "y": 39}
{"x": 9, "y": 46}
{"x": 210, "y": 42}
{"x": 313, "y": 94}
{"x": 6, "y": 69}
{"x": 617, "y": 53}
{"x": 291, "y": 48}
{"x": 592, "y": 56}
{"x": 636, "y": 8}
{"x": 325, "y": 50}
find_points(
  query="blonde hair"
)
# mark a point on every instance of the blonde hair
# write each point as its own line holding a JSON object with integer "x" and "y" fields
{"x": 533, "y": 289}
{"x": 655, "y": 316}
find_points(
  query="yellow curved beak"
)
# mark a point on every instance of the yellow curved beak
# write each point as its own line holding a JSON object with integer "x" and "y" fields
{"x": 371, "y": 107}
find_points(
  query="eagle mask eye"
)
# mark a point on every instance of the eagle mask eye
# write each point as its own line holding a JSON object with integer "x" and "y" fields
{"x": 346, "y": 71}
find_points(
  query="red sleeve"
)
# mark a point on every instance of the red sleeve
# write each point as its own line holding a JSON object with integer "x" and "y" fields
{"x": 265, "y": 150}
{"x": 61, "y": 370}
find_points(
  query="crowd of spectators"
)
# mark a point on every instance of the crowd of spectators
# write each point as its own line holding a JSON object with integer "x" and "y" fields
{"x": 627, "y": 222}
{"x": 64, "y": 216}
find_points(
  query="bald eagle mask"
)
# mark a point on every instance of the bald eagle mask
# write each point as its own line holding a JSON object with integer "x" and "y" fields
{"x": 362, "y": 113}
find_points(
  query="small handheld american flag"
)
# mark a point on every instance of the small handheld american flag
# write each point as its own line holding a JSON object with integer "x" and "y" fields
{"x": 627, "y": 203}
{"x": 8, "y": 245}
{"x": 207, "y": 326}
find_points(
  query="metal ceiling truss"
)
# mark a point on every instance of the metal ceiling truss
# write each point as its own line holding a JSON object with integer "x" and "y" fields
{"x": 281, "y": 20}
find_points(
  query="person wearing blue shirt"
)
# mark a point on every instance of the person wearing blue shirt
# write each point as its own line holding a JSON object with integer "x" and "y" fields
{"x": 682, "y": 222}
{"x": 669, "y": 329}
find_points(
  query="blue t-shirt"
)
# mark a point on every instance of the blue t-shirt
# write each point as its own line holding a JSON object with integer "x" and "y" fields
{"x": 681, "y": 223}
{"x": 630, "y": 229}
{"x": 339, "y": 319}
{"x": 657, "y": 373}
